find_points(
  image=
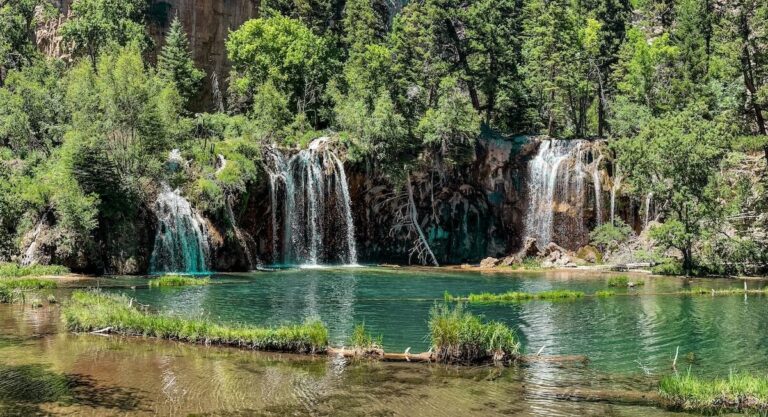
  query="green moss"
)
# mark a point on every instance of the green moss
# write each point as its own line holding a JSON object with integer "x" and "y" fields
{"x": 739, "y": 392}
{"x": 90, "y": 310}
{"x": 178, "y": 281}
{"x": 459, "y": 336}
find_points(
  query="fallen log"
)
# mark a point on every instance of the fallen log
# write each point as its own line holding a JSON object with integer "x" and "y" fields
{"x": 379, "y": 354}
{"x": 626, "y": 397}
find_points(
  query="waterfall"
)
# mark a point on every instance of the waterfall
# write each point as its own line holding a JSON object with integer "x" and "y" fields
{"x": 648, "y": 200}
{"x": 598, "y": 190}
{"x": 614, "y": 188}
{"x": 181, "y": 244}
{"x": 309, "y": 192}
{"x": 542, "y": 183}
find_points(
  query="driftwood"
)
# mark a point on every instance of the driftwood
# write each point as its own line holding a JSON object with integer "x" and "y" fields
{"x": 379, "y": 354}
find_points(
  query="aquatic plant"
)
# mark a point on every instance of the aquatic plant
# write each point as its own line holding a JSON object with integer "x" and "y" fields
{"x": 177, "y": 281}
{"x": 739, "y": 392}
{"x": 459, "y": 336}
{"x": 8, "y": 269}
{"x": 15, "y": 290}
{"x": 605, "y": 293}
{"x": 90, "y": 311}
{"x": 361, "y": 340}
{"x": 618, "y": 281}
{"x": 512, "y": 296}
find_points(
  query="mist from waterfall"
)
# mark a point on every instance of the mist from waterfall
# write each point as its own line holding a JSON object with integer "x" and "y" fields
{"x": 181, "y": 244}
{"x": 311, "y": 207}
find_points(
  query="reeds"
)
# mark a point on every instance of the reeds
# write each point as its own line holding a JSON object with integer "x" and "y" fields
{"x": 459, "y": 336}
{"x": 15, "y": 290}
{"x": 8, "y": 269}
{"x": 90, "y": 311}
{"x": 739, "y": 392}
{"x": 515, "y": 296}
{"x": 177, "y": 281}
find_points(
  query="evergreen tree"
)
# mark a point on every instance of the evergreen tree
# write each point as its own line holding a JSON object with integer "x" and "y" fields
{"x": 175, "y": 64}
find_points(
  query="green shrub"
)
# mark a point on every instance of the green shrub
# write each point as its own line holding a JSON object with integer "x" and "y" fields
{"x": 608, "y": 235}
{"x": 91, "y": 310}
{"x": 739, "y": 392}
{"x": 177, "y": 281}
{"x": 668, "y": 267}
{"x": 458, "y": 336}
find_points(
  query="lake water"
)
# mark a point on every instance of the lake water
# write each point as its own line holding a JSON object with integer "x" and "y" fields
{"x": 630, "y": 341}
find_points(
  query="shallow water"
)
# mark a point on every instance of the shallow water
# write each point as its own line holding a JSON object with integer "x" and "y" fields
{"x": 630, "y": 341}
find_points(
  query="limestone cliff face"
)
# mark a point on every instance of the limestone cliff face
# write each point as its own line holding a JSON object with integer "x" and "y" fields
{"x": 207, "y": 22}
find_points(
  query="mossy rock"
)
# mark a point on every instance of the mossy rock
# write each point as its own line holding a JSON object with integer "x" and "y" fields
{"x": 590, "y": 254}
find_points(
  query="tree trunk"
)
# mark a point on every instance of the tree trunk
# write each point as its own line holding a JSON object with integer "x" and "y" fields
{"x": 749, "y": 81}
{"x": 463, "y": 62}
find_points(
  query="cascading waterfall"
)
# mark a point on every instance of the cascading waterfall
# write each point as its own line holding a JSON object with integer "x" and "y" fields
{"x": 648, "y": 201}
{"x": 542, "y": 183}
{"x": 181, "y": 244}
{"x": 598, "y": 190}
{"x": 614, "y": 188}
{"x": 309, "y": 192}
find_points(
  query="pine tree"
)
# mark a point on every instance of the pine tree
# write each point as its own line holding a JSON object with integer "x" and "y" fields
{"x": 175, "y": 64}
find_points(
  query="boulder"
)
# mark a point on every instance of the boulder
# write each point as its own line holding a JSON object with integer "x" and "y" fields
{"x": 530, "y": 249}
{"x": 488, "y": 263}
{"x": 589, "y": 254}
{"x": 511, "y": 260}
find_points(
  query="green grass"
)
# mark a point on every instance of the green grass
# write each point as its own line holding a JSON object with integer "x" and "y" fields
{"x": 15, "y": 290}
{"x": 90, "y": 310}
{"x": 459, "y": 336}
{"x": 605, "y": 294}
{"x": 362, "y": 340}
{"x": 723, "y": 291}
{"x": 618, "y": 281}
{"x": 15, "y": 270}
{"x": 515, "y": 296}
{"x": 177, "y": 281}
{"x": 739, "y": 392}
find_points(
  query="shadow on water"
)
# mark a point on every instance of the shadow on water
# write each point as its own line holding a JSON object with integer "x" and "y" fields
{"x": 25, "y": 388}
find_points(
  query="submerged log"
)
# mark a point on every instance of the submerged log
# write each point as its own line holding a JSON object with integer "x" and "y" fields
{"x": 430, "y": 356}
{"x": 646, "y": 398}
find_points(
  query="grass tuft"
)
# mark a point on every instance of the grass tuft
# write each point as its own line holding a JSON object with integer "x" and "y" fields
{"x": 177, "y": 281}
{"x": 514, "y": 296}
{"x": 14, "y": 270}
{"x": 739, "y": 392}
{"x": 15, "y": 290}
{"x": 605, "y": 294}
{"x": 361, "y": 340}
{"x": 459, "y": 336}
{"x": 91, "y": 310}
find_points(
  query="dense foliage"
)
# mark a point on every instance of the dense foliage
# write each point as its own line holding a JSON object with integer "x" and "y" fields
{"x": 680, "y": 87}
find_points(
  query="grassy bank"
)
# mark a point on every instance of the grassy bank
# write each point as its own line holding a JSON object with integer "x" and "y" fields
{"x": 15, "y": 270}
{"x": 515, "y": 296}
{"x": 739, "y": 392}
{"x": 22, "y": 290}
{"x": 177, "y": 281}
{"x": 90, "y": 311}
{"x": 459, "y": 336}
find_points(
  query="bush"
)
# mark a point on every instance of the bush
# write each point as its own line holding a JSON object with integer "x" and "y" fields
{"x": 668, "y": 267}
{"x": 609, "y": 235}
{"x": 458, "y": 336}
